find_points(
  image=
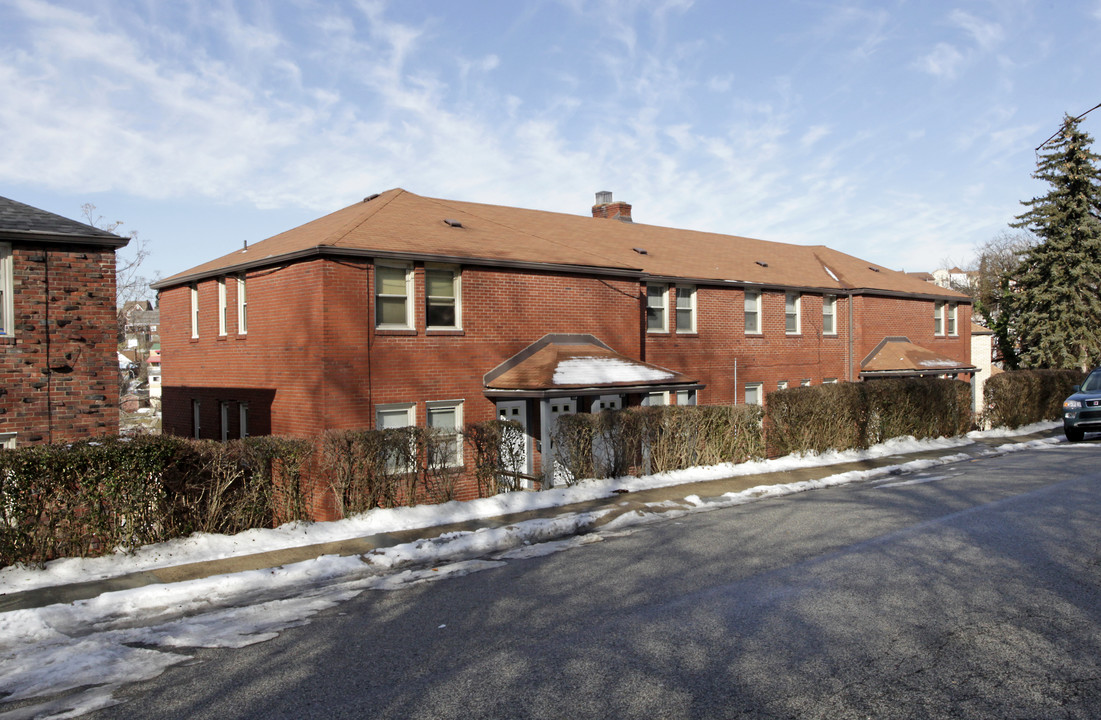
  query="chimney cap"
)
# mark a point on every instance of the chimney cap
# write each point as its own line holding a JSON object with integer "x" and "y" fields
{"x": 604, "y": 197}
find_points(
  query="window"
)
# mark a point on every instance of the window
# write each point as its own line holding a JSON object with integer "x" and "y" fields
{"x": 7, "y": 293}
{"x": 951, "y": 319}
{"x": 7, "y": 440}
{"x": 442, "y": 298}
{"x": 393, "y": 286}
{"x": 938, "y": 317}
{"x": 686, "y": 397}
{"x": 752, "y": 312}
{"x": 393, "y": 417}
{"x": 655, "y": 399}
{"x": 222, "y": 311}
{"x": 242, "y": 307}
{"x": 686, "y": 309}
{"x": 195, "y": 419}
{"x": 446, "y": 420}
{"x": 657, "y": 319}
{"x": 792, "y": 304}
{"x": 782, "y": 385}
{"x": 224, "y": 409}
{"x": 754, "y": 393}
{"x": 829, "y": 314}
{"x": 242, "y": 416}
{"x": 829, "y": 381}
{"x": 194, "y": 311}
{"x": 805, "y": 382}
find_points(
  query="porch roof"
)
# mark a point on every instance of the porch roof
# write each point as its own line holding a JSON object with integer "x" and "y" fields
{"x": 897, "y": 356}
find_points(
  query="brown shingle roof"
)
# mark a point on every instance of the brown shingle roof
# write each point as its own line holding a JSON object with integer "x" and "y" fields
{"x": 400, "y": 223}
{"x": 899, "y": 356}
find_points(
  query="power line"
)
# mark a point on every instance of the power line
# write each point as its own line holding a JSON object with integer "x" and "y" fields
{"x": 1045, "y": 142}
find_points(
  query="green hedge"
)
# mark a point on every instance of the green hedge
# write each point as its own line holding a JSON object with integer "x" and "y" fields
{"x": 1023, "y": 397}
{"x": 845, "y": 416}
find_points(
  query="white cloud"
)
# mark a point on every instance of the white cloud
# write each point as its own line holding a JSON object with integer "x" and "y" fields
{"x": 987, "y": 35}
{"x": 944, "y": 61}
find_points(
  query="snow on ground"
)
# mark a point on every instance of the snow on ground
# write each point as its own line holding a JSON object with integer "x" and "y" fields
{"x": 69, "y": 658}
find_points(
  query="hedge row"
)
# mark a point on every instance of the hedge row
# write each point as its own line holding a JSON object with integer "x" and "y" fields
{"x": 847, "y": 416}
{"x": 1023, "y": 397}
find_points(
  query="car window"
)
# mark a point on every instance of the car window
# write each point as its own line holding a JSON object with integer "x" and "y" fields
{"x": 1093, "y": 382}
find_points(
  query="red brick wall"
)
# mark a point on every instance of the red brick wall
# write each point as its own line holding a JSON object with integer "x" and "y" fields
{"x": 60, "y": 370}
{"x": 880, "y": 317}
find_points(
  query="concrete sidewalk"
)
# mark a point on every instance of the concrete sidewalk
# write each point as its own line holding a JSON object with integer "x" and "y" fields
{"x": 616, "y": 506}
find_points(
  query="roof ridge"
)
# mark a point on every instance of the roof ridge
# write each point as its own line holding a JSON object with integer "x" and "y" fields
{"x": 342, "y": 233}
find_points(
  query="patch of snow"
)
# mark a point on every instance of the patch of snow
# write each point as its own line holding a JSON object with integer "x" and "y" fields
{"x": 604, "y": 371}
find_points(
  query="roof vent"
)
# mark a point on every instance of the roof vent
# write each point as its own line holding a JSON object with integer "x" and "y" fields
{"x": 604, "y": 197}
{"x": 873, "y": 269}
{"x": 640, "y": 251}
{"x": 762, "y": 264}
{"x": 369, "y": 198}
{"x": 453, "y": 223}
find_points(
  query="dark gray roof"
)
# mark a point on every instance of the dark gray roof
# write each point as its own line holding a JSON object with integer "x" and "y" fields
{"x": 19, "y": 221}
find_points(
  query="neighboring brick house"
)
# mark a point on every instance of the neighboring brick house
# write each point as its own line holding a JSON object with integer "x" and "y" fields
{"x": 404, "y": 310}
{"x": 58, "y": 330}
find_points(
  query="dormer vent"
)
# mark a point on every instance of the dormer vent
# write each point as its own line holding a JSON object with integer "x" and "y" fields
{"x": 453, "y": 223}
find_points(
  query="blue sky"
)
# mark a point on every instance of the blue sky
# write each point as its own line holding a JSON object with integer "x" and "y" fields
{"x": 900, "y": 132}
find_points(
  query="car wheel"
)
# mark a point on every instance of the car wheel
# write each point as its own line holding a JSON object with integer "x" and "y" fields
{"x": 1074, "y": 435}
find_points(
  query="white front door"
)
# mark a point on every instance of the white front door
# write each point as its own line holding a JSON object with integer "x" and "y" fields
{"x": 517, "y": 411}
{"x": 558, "y": 408}
{"x": 602, "y": 451}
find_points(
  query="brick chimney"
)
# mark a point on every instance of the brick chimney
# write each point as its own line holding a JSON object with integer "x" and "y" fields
{"x": 605, "y": 208}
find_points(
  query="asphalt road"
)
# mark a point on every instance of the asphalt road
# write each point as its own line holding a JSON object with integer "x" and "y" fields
{"x": 973, "y": 591}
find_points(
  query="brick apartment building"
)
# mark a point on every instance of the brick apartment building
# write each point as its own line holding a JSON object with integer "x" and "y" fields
{"x": 403, "y": 310}
{"x": 57, "y": 328}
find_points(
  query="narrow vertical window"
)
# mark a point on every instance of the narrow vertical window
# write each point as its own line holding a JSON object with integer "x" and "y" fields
{"x": 792, "y": 303}
{"x": 393, "y": 417}
{"x": 657, "y": 319}
{"x": 242, "y": 417}
{"x": 7, "y": 292}
{"x": 938, "y": 317}
{"x": 952, "y": 319}
{"x": 242, "y": 306}
{"x": 196, "y": 430}
{"x": 442, "y": 298}
{"x": 829, "y": 314}
{"x": 222, "y": 311}
{"x": 686, "y": 397}
{"x": 194, "y": 310}
{"x": 686, "y": 309}
{"x": 224, "y": 412}
{"x": 446, "y": 421}
{"x": 393, "y": 286}
{"x": 754, "y": 393}
{"x": 752, "y": 312}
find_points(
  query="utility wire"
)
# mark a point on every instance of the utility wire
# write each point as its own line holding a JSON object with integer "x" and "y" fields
{"x": 1045, "y": 142}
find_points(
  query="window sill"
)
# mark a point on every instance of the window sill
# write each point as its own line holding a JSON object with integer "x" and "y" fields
{"x": 757, "y": 333}
{"x": 657, "y": 332}
{"x": 395, "y": 331}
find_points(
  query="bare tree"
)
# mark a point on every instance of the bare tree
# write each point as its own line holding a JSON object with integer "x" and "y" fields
{"x": 130, "y": 284}
{"x": 997, "y": 261}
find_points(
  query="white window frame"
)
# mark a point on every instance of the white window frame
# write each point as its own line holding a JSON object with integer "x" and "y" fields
{"x": 752, "y": 307}
{"x": 223, "y": 408}
{"x": 223, "y": 311}
{"x": 456, "y": 460}
{"x": 782, "y": 385}
{"x": 686, "y": 293}
{"x": 805, "y": 382}
{"x": 8, "y": 440}
{"x": 793, "y": 311}
{"x": 951, "y": 318}
{"x": 663, "y": 308}
{"x": 242, "y": 306}
{"x": 686, "y": 398}
{"x": 655, "y": 399}
{"x": 242, "y": 417}
{"x": 194, "y": 291}
{"x": 829, "y": 381}
{"x": 196, "y": 418}
{"x": 410, "y": 411}
{"x": 457, "y": 288}
{"x": 829, "y": 311}
{"x": 408, "y": 269}
{"x": 758, "y": 389}
{"x": 7, "y": 291}
{"x": 938, "y": 318}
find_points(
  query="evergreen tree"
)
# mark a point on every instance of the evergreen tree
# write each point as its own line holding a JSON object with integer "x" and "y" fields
{"x": 1055, "y": 303}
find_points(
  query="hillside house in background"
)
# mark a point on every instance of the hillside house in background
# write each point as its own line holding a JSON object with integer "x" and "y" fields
{"x": 406, "y": 310}
{"x": 58, "y": 328}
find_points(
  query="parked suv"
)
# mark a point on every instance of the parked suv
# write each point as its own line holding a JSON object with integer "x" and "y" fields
{"x": 1082, "y": 410}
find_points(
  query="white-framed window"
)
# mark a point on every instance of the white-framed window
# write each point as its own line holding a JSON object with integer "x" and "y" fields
{"x": 393, "y": 290}
{"x": 829, "y": 381}
{"x": 754, "y": 393}
{"x": 654, "y": 399}
{"x": 446, "y": 418}
{"x": 242, "y": 418}
{"x": 950, "y": 317}
{"x": 657, "y": 316}
{"x": 686, "y": 397}
{"x": 7, "y": 292}
{"x": 242, "y": 306}
{"x": 196, "y": 408}
{"x": 194, "y": 310}
{"x": 443, "y": 298}
{"x": 223, "y": 311}
{"x": 392, "y": 417}
{"x": 782, "y": 385}
{"x": 686, "y": 309}
{"x": 224, "y": 414}
{"x": 7, "y": 440}
{"x": 752, "y": 312}
{"x": 829, "y": 314}
{"x": 792, "y": 306}
{"x": 805, "y": 382}
{"x": 938, "y": 317}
